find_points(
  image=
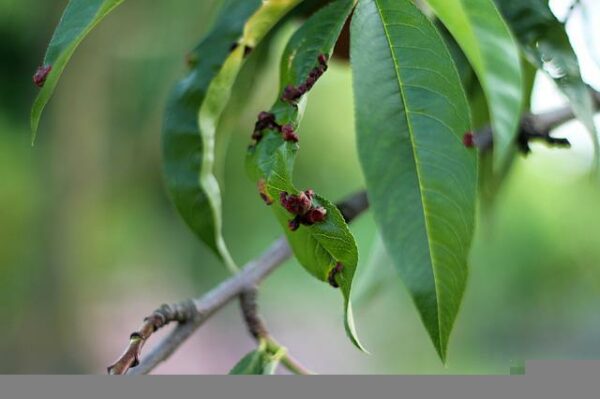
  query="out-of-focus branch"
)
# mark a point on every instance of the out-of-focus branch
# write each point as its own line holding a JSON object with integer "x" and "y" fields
{"x": 191, "y": 314}
{"x": 532, "y": 127}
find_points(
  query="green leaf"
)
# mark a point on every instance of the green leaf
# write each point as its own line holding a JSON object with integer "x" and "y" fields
{"x": 258, "y": 362}
{"x": 411, "y": 113}
{"x": 194, "y": 109}
{"x": 321, "y": 246}
{"x": 546, "y": 44}
{"x": 78, "y": 19}
{"x": 487, "y": 42}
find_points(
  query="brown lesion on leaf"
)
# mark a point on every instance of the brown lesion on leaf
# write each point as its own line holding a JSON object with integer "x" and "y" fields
{"x": 266, "y": 120}
{"x": 262, "y": 191}
{"x": 291, "y": 94}
{"x": 337, "y": 269}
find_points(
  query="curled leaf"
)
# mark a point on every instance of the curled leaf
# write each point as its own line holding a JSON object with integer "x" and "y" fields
{"x": 315, "y": 228}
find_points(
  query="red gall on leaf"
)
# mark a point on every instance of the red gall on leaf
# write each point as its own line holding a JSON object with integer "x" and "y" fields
{"x": 295, "y": 204}
{"x": 315, "y": 215}
{"x": 39, "y": 78}
{"x": 288, "y": 133}
{"x": 468, "y": 140}
{"x": 323, "y": 58}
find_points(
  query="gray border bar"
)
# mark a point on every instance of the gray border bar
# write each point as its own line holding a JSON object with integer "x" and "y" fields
{"x": 563, "y": 379}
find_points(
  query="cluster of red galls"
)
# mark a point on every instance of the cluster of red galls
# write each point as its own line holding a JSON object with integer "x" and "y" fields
{"x": 266, "y": 120}
{"x": 302, "y": 207}
{"x": 292, "y": 93}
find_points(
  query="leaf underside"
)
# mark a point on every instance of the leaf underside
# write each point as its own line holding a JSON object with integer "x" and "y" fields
{"x": 195, "y": 107}
{"x": 318, "y": 247}
{"x": 411, "y": 113}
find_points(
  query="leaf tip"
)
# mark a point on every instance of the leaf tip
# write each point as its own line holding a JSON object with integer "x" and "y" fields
{"x": 351, "y": 329}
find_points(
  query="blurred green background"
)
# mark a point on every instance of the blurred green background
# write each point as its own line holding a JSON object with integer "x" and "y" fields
{"x": 89, "y": 243}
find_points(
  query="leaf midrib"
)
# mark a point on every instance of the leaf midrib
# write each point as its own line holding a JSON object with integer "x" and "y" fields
{"x": 417, "y": 167}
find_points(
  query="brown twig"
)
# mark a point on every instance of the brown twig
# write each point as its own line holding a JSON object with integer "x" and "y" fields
{"x": 162, "y": 316}
{"x": 190, "y": 315}
{"x": 534, "y": 127}
{"x": 204, "y": 307}
{"x": 258, "y": 329}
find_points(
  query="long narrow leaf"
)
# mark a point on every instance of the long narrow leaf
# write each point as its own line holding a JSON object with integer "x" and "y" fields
{"x": 411, "y": 113}
{"x": 325, "y": 248}
{"x": 77, "y": 21}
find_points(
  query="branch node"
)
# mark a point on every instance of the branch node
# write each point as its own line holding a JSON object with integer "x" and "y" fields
{"x": 165, "y": 314}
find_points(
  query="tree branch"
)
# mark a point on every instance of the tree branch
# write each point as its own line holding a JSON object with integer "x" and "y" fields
{"x": 204, "y": 307}
{"x": 533, "y": 126}
{"x": 191, "y": 314}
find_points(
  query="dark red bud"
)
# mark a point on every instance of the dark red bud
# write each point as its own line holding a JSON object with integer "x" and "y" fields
{"x": 468, "y": 140}
{"x": 39, "y": 78}
{"x": 288, "y": 133}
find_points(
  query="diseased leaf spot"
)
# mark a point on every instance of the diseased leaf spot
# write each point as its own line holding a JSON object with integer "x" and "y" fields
{"x": 191, "y": 60}
{"x": 296, "y": 204}
{"x": 315, "y": 215}
{"x": 468, "y": 140}
{"x": 337, "y": 269}
{"x": 288, "y": 133}
{"x": 292, "y": 94}
{"x": 294, "y": 224}
{"x": 41, "y": 74}
{"x": 265, "y": 120}
{"x": 302, "y": 207}
{"x": 264, "y": 194}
